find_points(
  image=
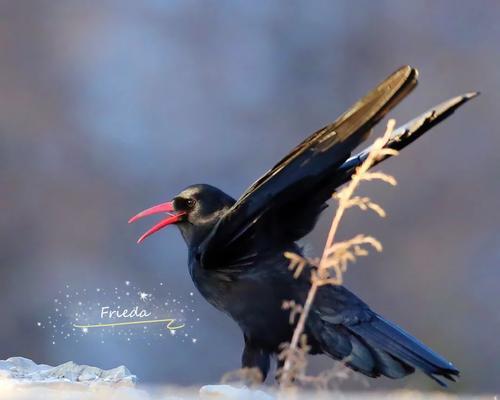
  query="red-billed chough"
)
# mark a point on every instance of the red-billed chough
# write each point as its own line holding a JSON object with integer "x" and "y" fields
{"x": 236, "y": 247}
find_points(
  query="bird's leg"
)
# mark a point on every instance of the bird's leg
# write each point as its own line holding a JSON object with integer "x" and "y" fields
{"x": 255, "y": 357}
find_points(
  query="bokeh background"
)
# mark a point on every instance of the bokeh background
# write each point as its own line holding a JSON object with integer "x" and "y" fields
{"x": 107, "y": 107}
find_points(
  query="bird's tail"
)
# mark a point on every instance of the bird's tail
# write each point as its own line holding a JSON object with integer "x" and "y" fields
{"x": 397, "y": 353}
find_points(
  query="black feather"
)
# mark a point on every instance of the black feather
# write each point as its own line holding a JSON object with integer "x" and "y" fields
{"x": 388, "y": 337}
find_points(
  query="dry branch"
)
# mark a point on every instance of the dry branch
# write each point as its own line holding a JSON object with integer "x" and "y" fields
{"x": 329, "y": 269}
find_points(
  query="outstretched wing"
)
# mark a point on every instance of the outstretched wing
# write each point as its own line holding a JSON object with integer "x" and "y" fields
{"x": 300, "y": 172}
{"x": 299, "y": 217}
{"x": 408, "y": 133}
{"x": 401, "y": 137}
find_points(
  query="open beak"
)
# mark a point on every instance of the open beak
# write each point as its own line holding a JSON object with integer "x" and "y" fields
{"x": 168, "y": 208}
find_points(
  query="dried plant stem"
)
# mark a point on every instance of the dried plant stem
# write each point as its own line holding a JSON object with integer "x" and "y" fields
{"x": 286, "y": 377}
{"x": 321, "y": 274}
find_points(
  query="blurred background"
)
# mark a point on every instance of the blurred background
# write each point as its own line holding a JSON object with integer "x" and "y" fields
{"x": 112, "y": 106}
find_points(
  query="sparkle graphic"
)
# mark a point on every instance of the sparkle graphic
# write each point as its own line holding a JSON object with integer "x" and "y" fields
{"x": 144, "y": 296}
{"x": 76, "y": 315}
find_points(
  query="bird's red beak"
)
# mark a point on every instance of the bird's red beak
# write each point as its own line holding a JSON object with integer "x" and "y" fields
{"x": 168, "y": 207}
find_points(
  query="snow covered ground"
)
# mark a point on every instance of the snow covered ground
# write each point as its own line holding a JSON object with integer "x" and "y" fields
{"x": 22, "y": 379}
{"x": 23, "y": 370}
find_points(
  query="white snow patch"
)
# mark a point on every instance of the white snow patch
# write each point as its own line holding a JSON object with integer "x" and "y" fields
{"x": 226, "y": 392}
{"x": 24, "y": 371}
{"x": 23, "y": 379}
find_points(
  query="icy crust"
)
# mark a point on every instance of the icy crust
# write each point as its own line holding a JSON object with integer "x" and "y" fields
{"x": 226, "y": 392}
{"x": 23, "y": 379}
{"x": 23, "y": 370}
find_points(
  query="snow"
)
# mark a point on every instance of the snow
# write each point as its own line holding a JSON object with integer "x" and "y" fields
{"x": 23, "y": 379}
{"x": 226, "y": 392}
{"x": 23, "y": 370}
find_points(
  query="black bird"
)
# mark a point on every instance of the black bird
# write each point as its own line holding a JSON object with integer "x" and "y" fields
{"x": 236, "y": 246}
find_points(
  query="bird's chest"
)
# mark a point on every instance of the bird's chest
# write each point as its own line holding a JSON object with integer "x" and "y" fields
{"x": 216, "y": 287}
{"x": 252, "y": 297}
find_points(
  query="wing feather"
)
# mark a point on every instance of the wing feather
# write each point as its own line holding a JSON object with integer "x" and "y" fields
{"x": 318, "y": 155}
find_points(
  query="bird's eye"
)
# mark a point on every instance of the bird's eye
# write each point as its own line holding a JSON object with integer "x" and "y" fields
{"x": 184, "y": 204}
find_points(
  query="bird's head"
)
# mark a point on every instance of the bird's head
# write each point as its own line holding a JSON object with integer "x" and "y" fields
{"x": 195, "y": 211}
